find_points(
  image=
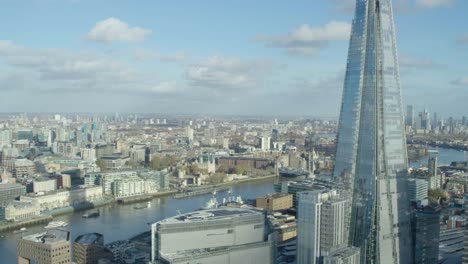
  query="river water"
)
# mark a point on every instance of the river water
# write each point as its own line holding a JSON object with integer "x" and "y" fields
{"x": 445, "y": 156}
{"x": 119, "y": 222}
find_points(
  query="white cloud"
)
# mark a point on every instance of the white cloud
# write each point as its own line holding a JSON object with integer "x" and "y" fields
{"x": 152, "y": 55}
{"x": 225, "y": 72}
{"x": 434, "y": 3}
{"x": 409, "y": 61}
{"x": 463, "y": 81}
{"x": 58, "y": 71}
{"x": 115, "y": 30}
{"x": 308, "y": 40}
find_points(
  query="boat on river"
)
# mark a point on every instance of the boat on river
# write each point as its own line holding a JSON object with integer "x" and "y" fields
{"x": 56, "y": 224}
{"x": 91, "y": 214}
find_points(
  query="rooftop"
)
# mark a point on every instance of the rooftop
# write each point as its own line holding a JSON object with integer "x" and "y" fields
{"x": 275, "y": 195}
{"x": 8, "y": 186}
{"x": 88, "y": 239}
{"x": 50, "y": 237}
{"x": 212, "y": 215}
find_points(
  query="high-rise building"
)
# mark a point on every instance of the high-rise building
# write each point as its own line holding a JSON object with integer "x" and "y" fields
{"x": 371, "y": 152}
{"x": 435, "y": 179}
{"x": 426, "y": 234}
{"x": 435, "y": 121}
{"x": 409, "y": 116}
{"x": 224, "y": 235}
{"x": 265, "y": 143}
{"x": 322, "y": 225}
{"x": 417, "y": 189}
{"x": 51, "y": 247}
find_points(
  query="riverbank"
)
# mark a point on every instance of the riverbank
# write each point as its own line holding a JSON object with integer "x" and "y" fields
{"x": 43, "y": 219}
{"x": 49, "y": 215}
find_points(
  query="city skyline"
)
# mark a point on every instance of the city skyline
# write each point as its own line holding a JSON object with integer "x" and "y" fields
{"x": 168, "y": 60}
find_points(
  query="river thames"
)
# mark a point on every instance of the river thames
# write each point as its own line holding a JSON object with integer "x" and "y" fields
{"x": 119, "y": 222}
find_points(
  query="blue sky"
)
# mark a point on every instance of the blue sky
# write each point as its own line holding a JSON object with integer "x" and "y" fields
{"x": 222, "y": 57}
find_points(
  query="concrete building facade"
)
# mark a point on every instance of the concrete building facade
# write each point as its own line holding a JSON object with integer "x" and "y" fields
{"x": 51, "y": 247}
{"x": 224, "y": 235}
{"x": 275, "y": 202}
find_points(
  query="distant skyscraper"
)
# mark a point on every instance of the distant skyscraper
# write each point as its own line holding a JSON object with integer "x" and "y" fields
{"x": 371, "y": 152}
{"x": 265, "y": 143}
{"x": 435, "y": 179}
{"x": 409, "y": 115}
{"x": 435, "y": 121}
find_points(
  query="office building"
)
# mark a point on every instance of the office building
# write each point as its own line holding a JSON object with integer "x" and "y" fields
{"x": 371, "y": 156}
{"x": 10, "y": 192}
{"x": 426, "y": 224}
{"x": 409, "y": 116}
{"x": 321, "y": 225}
{"x": 5, "y": 137}
{"x": 436, "y": 180}
{"x": 44, "y": 185}
{"x": 51, "y": 247}
{"x": 89, "y": 248}
{"x": 224, "y": 235}
{"x": 24, "y": 134}
{"x": 275, "y": 202}
{"x": 295, "y": 187}
{"x": 265, "y": 143}
{"x": 63, "y": 181}
{"x": 417, "y": 189}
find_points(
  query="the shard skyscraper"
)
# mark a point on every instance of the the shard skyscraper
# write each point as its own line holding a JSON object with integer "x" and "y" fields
{"x": 371, "y": 154}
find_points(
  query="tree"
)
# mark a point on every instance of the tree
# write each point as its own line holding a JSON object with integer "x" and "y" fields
{"x": 158, "y": 163}
{"x": 435, "y": 195}
{"x": 216, "y": 178}
{"x": 222, "y": 169}
{"x": 239, "y": 170}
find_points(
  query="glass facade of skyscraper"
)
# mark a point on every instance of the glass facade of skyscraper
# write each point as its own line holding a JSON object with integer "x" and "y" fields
{"x": 371, "y": 153}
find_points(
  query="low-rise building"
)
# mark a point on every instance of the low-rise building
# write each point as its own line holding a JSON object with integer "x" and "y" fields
{"x": 17, "y": 211}
{"x": 44, "y": 185}
{"x": 62, "y": 198}
{"x": 275, "y": 202}
{"x": 89, "y": 248}
{"x": 284, "y": 225}
{"x": 223, "y": 235}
